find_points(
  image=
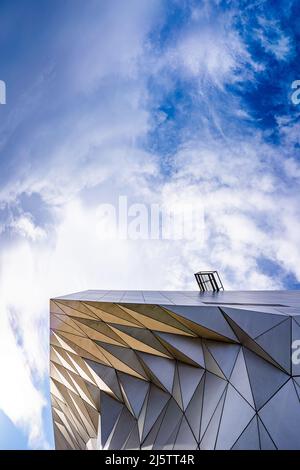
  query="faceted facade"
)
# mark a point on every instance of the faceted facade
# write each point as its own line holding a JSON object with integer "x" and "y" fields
{"x": 175, "y": 370}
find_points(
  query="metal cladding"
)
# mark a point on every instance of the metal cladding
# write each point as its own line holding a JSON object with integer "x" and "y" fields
{"x": 175, "y": 370}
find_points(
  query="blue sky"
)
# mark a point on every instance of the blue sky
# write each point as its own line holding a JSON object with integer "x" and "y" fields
{"x": 158, "y": 101}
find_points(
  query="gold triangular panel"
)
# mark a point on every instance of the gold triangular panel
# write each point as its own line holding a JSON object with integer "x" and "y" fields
{"x": 112, "y": 314}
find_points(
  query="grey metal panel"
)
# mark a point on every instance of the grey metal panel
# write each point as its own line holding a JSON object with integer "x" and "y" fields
{"x": 189, "y": 378}
{"x": 108, "y": 375}
{"x": 211, "y": 365}
{"x": 149, "y": 441}
{"x": 123, "y": 429}
{"x": 213, "y": 390}
{"x": 253, "y": 323}
{"x": 208, "y": 317}
{"x": 249, "y": 440}
{"x": 142, "y": 416}
{"x": 162, "y": 369}
{"x": 135, "y": 390}
{"x": 266, "y": 442}
{"x": 110, "y": 412}
{"x": 176, "y": 392}
{"x": 172, "y": 419}
{"x": 185, "y": 439}
{"x": 237, "y": 413}
{"x": 208, "y": 440}
{"x": 276, "y": 342}
{"x": 133, "y": 441}
{"x": 240, "y": 379}
{"x": 128, "y": 356}
{"x": 281, "y": 416}
{"x": 194, "y": 410}
{"x": 169, "y": 444}
{"x": 265, "y": 379}
{"x": 224, "y": 354}
{"x": 250, "y": 343}
{"x": 297, "y": 380}
{"x": 190, "y": 347}
{"x": 156, "y": 401}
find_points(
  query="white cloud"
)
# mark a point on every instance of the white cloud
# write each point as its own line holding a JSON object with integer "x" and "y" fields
{"x": 211, "y": 50}
{"x": 273, "y": 39}
{"x": 23, "y": 342}
{"x": 25, "y": 227}
{"x": 83, "y": 150}
{"x": 19, "y": 398}
{"x": 250, "y": 215}
{"x": 211, "y": 54}
{"x": 292, "y": 168}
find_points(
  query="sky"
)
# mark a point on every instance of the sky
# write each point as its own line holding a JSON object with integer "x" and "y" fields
{"x": 162, "y": 102}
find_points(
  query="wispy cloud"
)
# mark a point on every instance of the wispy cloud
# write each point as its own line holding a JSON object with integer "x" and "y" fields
{"x": 273, "y": 39}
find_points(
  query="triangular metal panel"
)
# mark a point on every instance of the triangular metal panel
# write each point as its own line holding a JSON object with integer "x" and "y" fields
{"x": 209, "y": 318}
{"x": 185, "y": 439}
{"x": 108, "y": 375}
{"x": 208, "y": 440}
{"x": 224, "y": 354}
{"x": 265, "y": 379}
{"x": 266, "y": 442}
{"x": 236, "y": 415}
{"x": 194, "y": 410}
{"x": 122, "y": 431}
{"x": 240, "y": 379}
{"x": 276, "y": 342}
{"x": 135, "y": 391}
{"x": 133, "y": 441}
{"x": 281, "y": 417}
{"x": 157, "y": 400}
{"x": 188, "y": 347}
{"x": 213, "y": 390}
{"x": 172, "y": 419}
{"x": 160, "y": 368}
{"x": 210, "y": 363}
{"x": 189, "y": 378}
{"x": 252, "y": 322}
{"x": 249, "y": 439}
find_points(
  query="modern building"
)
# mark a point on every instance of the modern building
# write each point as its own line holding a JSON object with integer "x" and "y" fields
{"x": 176, "y": 370}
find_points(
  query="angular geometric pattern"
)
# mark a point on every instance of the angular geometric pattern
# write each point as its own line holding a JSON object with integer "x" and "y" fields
{"x": 175, "y": 370}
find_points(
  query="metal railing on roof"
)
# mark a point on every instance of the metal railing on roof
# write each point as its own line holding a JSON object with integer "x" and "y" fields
{"x": 209, "y": 281}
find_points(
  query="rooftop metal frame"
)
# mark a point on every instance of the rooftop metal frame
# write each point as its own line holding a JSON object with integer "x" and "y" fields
{"x": 209, "y": 281}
